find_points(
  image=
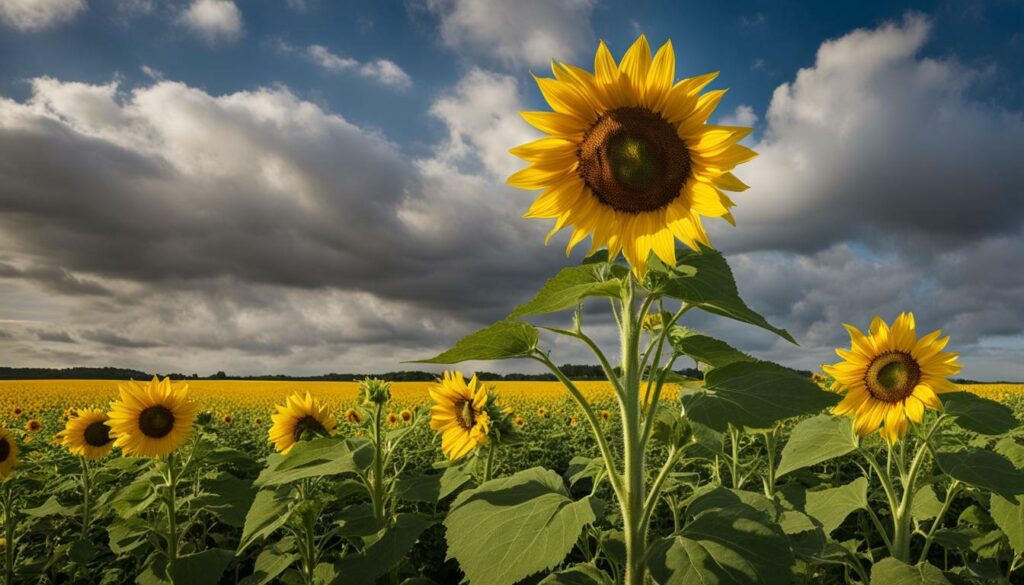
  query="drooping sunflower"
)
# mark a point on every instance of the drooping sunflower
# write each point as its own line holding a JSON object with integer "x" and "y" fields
{"x": 152, "y": 419}
{"x": 298, "y": 419}
{"x": 890, "y": 376}
{"x": 630, "y": 159}
{"x": 459, "y": 414}
{"x": 8, "y": 453}
{"x": 87, "y": 434}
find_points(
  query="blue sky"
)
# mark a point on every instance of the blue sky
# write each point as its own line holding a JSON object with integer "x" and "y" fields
{"x": 302, "y": 165}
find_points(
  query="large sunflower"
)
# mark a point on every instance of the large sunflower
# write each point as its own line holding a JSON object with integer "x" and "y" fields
{"x": 458, "y": 414}
{"x": 8, "y": 453}
{"x": 299, "y": 418}
{"x": 153, "y": 419}
{"x": 87, "y": 434}
{"x": 630, "y": 159}
{"x": 890, "y": 376}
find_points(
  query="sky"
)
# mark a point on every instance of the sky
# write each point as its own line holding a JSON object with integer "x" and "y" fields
{"x": 307, "y": 186}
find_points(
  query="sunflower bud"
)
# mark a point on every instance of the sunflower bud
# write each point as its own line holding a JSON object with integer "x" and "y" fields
{"x": 375, "y": 391}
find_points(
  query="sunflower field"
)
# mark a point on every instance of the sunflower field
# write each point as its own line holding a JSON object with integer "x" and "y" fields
{"x": 879, "y": 470}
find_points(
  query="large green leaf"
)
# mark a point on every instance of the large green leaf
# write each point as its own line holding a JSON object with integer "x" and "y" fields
{"x": 384, "y": 553}
{"x": 512, "y": 527}
{"x": 578, "y": 575}
{"x": 893, "y": 572}
{"x": 317, "y": 458}
{"x": 752, "y": 394}
{"x": 272, "y": 561}
{"x": 730, "y": 546}
{"x": 705, "y": 349}
{"x": 503, "y": 340}
{"x": 227, "y": 497}
{"x": 982, "y": 468}
{"x": 203, "y": 568}
{"x": 815, "y": 440}
{"x": 569, "y": 288}
{"x": 1009, "y": 517}
{"x": 978, "y": 414}
{"x": 704, "y": 279}
{"x": 269, "y": 511}
{"x": 832, "y": 506}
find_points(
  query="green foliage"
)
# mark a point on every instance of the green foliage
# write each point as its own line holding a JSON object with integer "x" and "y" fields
{"x": 982, "y": 468}
{"x": 978, "y": 414}
{"x": 892, "y": 572}
{"x": 321, "y": 457}
{"x": 752, "y": 394}
{"x": 705, "y": 349}
{"x": 510, "y": 528}
{"x": 570, "y": 287}
{"x": 503, "y": 340}
{"x": 815, "y": 440}
{"x": 832, "y": 505}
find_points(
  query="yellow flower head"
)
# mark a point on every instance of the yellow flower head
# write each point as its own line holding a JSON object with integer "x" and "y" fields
{"x": 33, "y": 425}
{"x": 605, "y": 415}
{"x": 519, "y": 421}
{"x": 542, "y": 412}
{"x": 458, "y": 414}
{"x": 87, "y": 434}
{"x": 393, "y": 419}
{"x": 8, "y": 453}
{"x": 890, "y": 376}
{"x": 152, "y": 419}
{"x": 406, "y": 415}
{"x": 629, "y": 158}
{"x": 353, "y": 416}
{"x": 299, "y": 418}
{"x": 227, "y": 419}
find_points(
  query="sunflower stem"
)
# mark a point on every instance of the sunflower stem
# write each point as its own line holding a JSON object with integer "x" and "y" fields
{"x": 8, "y": 500}
{"x": 170, "y": 489}
{"x": 86, "y": 498}
{"x": 633, "y": 504}
{"x": 489, "y": 462}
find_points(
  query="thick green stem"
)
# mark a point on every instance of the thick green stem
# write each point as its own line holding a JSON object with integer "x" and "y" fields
{"x": 489, "y": 462}
{"x": 769, "y": 443}
{"x": 8, "y": 534}
{"x": 170, "y": 495}
{"x": 633, "y": 451}
{"x": 377, "y": 495}
{"x": 950, "y": 494}
{"x": 86, "y": 498}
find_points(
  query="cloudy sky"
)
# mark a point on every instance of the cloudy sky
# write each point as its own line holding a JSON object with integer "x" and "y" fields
{"x": 305, "y": 186}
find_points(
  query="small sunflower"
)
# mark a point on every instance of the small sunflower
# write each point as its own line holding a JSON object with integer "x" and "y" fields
{"x": 8, "y": 453}
{"x": 519, "y": 421}
{"x": 33, "y": 425}
{"x": 605, "y": 415}
{"x": 87, "y": 434}
{"x": 458, "y": 414}
{"x": 258, "y": 422}
{"x": 406, "y": 415}
{"x": 630, "y": 159}
{"x": 542, "y": 412}
{"x": 573, "y": 421}
{"x": 227, "y": 419}
{"x": 298, "y": 419}
{"x": 890, "y": 376}
{"x": 16, "y": 412}
{"x": 152, "y": 419}
{"x": 353, "y": 416}
{"x": 393, "y": 419}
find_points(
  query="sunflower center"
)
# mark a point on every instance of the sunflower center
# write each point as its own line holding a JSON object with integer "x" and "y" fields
{"x": 308, "y": 428}
{"x": 5, "y": 450}
{"x": 891, "y": 377}
{"x": 97, "y": 434}
{"x": 633, "y": 160}
{"x": 156, "y": 421}
{"x": 465, "y": 415}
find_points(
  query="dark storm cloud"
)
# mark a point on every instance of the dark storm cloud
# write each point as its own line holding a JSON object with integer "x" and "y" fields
{"x": 54, "y": 278}
{"x": 54, "y": 336}
{"x": 113, "y": 339}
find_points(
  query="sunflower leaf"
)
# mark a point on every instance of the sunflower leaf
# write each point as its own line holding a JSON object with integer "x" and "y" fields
{"x": 1009, "y": 516}
{"x": 503, "y": 340}
{"x": 738, "y": 544}
{"x": 705, "y": 349}
{"x": 387, "y": 551}
{"x": 570, "y": 287}
{"x": 752, "y": 394}
{"x": 978, "y": 414}
{"x": 815, "y": 440}
{"x": 578, "y": 575}
{"x": 512, "y": 527}
{"x": 319, "y": 457}
{"x": 893, "y": 572}
{"x": 831, "y": 506}
{"x": 982, "y": 468}
{"x": 704, "y": 279}
{"x": 269, "y": 511}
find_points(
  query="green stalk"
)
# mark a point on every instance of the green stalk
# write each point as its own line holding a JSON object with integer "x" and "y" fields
{"x": 86, "y": 498}
{"x": 769, "y": 442}
{"x": 170, "y": 493}
{"x": 489, "y": 462}
{"x": 9, "y": 534}
{"x": 633, "y": 505}
{"x": 950, "y": 494}
{"x": 377, "y": 487}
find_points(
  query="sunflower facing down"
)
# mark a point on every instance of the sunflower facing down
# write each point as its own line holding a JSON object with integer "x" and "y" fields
{"x": 629, "y": 158}
{"x": 300, "y": 418}
{"x": 87, "y": 434}
{"x": 8, "y": 453}
{"x": 890, "y": 376}
{"x": 459, "y": 414}
{"x": 152, "y": 419}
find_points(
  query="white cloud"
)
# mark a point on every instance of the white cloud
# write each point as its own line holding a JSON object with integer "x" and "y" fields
{"x": 383, "y": 71}
{"x": 525, "y": 32}
{"x": 214, "y": 20}
{"x": 36, "y": 15}
{"x": 744, "y": 115}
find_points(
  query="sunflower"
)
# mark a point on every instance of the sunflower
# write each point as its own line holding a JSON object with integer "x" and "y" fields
{"x": 153, "y": 419}
{"x": 542, "y": 412}
{"x": 33, "y": 425}
{"x": 353, "y": 416}
{"x": 227, "y": 419}
{"x": 8, "y": 453}
{"x": 393, "y": 419}
{"x": 298, "y": 419}
{"x": 87, "y": 434}
{"x": 519, "y": 421}
{"x": 890, "y": 376}
{"x": 605, "y": 415}
{"x": 629, "y": 158}
{"x": 458, "y": 414}
{"x": 406, "y": 415}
